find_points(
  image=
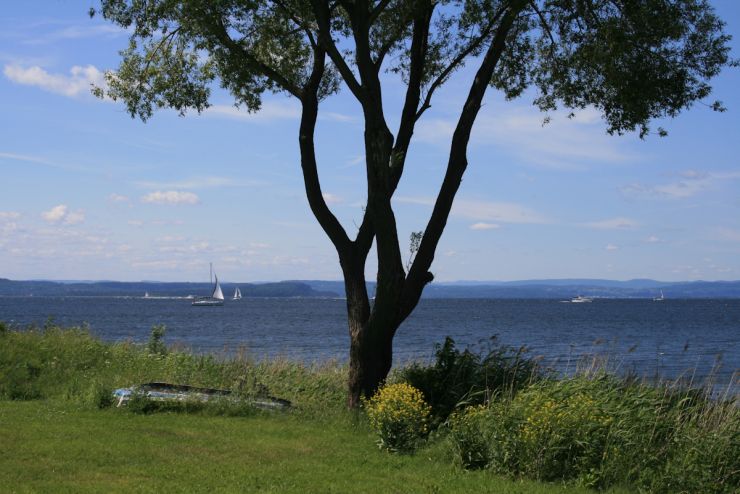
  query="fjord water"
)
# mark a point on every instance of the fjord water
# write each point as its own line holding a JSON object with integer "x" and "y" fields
{"x": 670, "y": 338}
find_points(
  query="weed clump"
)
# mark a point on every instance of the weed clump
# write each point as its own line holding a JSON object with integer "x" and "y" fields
{"x": 399, "y": 416}
{"x": 466, "y": 378}
{"x": 156, "y": 345}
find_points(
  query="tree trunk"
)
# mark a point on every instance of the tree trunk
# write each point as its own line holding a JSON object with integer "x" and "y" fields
{"x": 371, "y": 358}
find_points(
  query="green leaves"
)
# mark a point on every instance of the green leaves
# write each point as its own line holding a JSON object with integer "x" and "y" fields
{"x": 633, "y": 60}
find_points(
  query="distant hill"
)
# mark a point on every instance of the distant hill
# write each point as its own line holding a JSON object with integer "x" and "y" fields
{"x": 556, "y": 289}
{"x": 564, "y": 288}
{"x": 154, "y": 289}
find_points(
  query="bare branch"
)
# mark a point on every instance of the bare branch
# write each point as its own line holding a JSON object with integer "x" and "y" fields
{"x": 459, "y": 59}
{"x": 544, "y": 24}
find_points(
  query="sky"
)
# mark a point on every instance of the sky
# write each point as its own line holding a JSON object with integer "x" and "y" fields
{"x": 88, "y": 193}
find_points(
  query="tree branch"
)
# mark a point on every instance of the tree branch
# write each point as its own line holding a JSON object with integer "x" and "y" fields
{"x": 544, "y": 24}
{"x": 419, "y": 274}
{"x": 375, "y": 13}
{"x": 269, "y": 72}
{"x": 297, "y": 22}
{"x": 316, "y": 200}
{"x": 323, "y": 18}
{"x": 457, "y": 61}
{"x": 418, "y": 52}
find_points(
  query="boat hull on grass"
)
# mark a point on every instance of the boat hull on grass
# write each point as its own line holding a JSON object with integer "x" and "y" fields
{"x": 159, "y": 391}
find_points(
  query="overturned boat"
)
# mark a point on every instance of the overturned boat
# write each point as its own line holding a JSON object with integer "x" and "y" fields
{"x": 161, "y": 391}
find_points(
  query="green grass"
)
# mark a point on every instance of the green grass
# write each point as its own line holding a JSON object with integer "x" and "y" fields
{"x": 58, "y": 432}
{"x": 51, "y": 446}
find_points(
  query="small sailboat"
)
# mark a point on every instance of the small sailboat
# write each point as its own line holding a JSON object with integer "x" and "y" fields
{"x": 216, "y": 298}
{"x": 659, "y": 299}
{"x": 237, "y": 294}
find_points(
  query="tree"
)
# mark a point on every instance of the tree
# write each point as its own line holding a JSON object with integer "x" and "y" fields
{"x": 633, "y": 60}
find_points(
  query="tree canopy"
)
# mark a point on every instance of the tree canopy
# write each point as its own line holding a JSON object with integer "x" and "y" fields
{"x": 634, "y": 60}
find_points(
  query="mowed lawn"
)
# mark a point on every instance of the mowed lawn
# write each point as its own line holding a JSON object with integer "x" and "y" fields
{"x": 48, "y": 446}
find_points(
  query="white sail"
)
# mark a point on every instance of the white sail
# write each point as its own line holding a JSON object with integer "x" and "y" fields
{"x": 217, "y": 293}
{"x": 237, "y": 294}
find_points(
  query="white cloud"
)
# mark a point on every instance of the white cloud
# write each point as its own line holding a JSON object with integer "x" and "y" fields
{"x": 612, "y": 224}
{"x": 612, "y": 247}
{"x": 61, "y": 214}
{"x": 652, "y": 239}
{"x": 7, "y": 225}
{"x": 271, "y": 110}
{"x": 136, "y": 223}
{"x": 117, "y": 198}
{"x": 506, "y": 212}
{"x": 55, "y": 214}
{"x": 356, "y": 160}
{"x": 484, "y": 226}
{"x": 331, "y": 198}
{"x": 691, "y": 183}
{"x": 81, "y": 31}
{"x": 78, "y": 82}
{"x": 171, "y": 197}
{"x": 74, "y": 217}
{"x": 194, "y": 248}
{"x": 170, "y": 238}
{"x": 729, "y": 234}
{"x": 567, "y": 144}
{"x": 201, "y": 183}
{"x": 485, "y": 211}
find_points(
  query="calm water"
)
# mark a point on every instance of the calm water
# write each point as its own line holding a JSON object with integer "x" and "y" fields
{"x": 649, "y": 337}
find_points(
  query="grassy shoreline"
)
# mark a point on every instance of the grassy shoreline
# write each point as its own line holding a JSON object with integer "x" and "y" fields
{"x": 60, "y": 434}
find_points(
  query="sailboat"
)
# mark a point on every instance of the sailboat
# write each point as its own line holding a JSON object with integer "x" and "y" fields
{"x": 659, "y": 299}
{"x": 237, "y": 294}
{"x": 217, "y": 296}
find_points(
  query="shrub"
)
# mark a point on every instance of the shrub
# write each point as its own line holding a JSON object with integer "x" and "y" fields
{"x": 460, "y": 378}
{"x": 399, "y": 416}
{"x": 604, "y": 431}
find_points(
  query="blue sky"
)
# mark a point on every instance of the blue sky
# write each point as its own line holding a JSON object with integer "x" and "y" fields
{"x": 89, "y": 193}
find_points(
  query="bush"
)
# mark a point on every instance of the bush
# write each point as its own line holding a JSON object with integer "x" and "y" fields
{"x": 467, "y": 378}
{"x": 399, "y": 416}
{"x": 605, "y": 431}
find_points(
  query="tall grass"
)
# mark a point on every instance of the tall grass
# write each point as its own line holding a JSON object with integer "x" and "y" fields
{"x": 71, "y": 364}
{"x": 599, "y": 430}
